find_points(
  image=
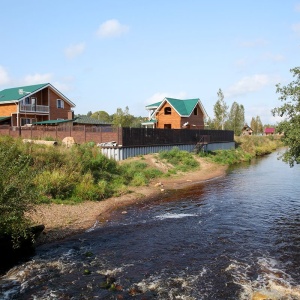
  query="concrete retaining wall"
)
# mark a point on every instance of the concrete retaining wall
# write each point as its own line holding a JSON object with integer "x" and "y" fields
{"x": 121, "y": 153}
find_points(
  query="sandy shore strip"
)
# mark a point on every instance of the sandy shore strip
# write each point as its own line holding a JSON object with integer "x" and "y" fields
{"x": 62, "y": 220}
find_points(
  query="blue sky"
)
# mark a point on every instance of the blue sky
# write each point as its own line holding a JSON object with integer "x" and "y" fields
{"x": 105, "y": 55}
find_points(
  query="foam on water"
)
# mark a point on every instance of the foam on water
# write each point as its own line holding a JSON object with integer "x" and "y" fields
{"x": 272, "y": 282}
{"x": 174, "y": 216}
{"x": 181, "y": 286}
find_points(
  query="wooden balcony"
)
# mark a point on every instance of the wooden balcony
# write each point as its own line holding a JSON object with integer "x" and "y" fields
{"x": 34, "y": 108}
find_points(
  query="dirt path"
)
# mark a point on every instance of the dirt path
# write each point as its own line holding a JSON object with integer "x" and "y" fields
{"x": 62, "y": 220}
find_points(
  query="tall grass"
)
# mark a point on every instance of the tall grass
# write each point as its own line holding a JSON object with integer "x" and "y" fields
{"x": 247, "y": 147}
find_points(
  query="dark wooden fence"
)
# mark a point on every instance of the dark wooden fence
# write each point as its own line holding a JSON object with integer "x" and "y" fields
{"x": 151, "y": 137}
{"x": 128, "y": 137}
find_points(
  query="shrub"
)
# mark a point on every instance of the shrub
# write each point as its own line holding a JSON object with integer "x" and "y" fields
{"x": 17, "y": 193}
{"x": 181, "y": 160}
{"x": 87, "y": 190}
{"x": 56, "y": 184}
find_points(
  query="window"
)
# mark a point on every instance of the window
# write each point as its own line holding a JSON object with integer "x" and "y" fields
{"x": 29, "y": 101}
{"x": 195, "y": 111}
{"x": 167, "y": 110}
{"x": 167, "y": 126}
{"x": 26, "y": 121}
{"x": 60, "y": 103}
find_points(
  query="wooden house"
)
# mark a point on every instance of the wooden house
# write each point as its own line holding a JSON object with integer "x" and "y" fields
{"x": 247, "y": 130}
{"x": 26, "y": 105}
{"x": 173, "y": 113}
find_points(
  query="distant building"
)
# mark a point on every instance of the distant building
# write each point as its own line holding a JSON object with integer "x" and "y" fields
{"x": 247, "y": 130}
{"x": 269, "y": 131}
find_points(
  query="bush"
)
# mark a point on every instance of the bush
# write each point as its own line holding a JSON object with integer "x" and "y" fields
{"x": 138, "y": 173}
{"x": 87, "y": 190}
{"x": 181, "y": 160}
{"x": 56, "y": 184}
{"x": 17, "y": 193}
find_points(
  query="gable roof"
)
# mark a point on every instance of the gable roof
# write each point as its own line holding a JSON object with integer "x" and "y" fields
{"x": 183, "y": 107}
{"x": 269, "y": 130}
{"x": 17, "y": 94}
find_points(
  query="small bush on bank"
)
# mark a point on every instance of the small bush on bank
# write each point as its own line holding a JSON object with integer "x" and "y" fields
{"x": 181, "y": 160}
{"x": 56, "y": 184}
{"x": 138, "y": 173}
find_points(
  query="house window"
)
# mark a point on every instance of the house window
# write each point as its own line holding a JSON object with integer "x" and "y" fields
{"x": 167, "y": 110}
{"x": 29, "y": 101}
{"x": 26, "y": 121}
{"x": 167, "y": 126}
{"x": 60, "y": 103}
{"x": 195, "y": 111}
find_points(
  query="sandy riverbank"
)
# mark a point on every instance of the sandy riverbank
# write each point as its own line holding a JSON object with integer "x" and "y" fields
{"x": 65, "y": 220}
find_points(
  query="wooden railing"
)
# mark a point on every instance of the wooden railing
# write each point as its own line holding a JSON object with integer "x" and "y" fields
{"x": 34, "y": 108}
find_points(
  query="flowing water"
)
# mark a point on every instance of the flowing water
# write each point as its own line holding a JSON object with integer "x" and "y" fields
{"x": 235, "y": 237}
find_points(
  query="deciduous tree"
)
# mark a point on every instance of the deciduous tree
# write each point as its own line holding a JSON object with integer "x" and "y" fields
{"x": 290, "y": 111}
{"x": 236, "y": 118}
{"x": 220, "y": 111}
{"x": 122, "y": 118}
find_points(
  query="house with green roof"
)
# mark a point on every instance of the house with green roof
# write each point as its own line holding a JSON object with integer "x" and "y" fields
{"x": 31, "y": 104}
{"x": 173, "y": 113}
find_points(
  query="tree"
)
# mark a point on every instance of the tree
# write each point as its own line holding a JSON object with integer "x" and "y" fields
{"x": 236, "y": 118}
{"x": 290, "y": 110}
{"x": 220, "y": 111}
{"x": 102, "y": 115}
{"x": 89, "y": 114}
{"x": 256, "y": 125}
{"x": 122, "y": 118}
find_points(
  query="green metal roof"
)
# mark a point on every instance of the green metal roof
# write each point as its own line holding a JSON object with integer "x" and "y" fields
{"x": 154, "y": 105}
{"x": 88, "y": 120}
{"x": 4, "y": 118}
{"x": 17, "y": 93}
{"x": 183, "y": 107}
{"x": 52, "y": 122}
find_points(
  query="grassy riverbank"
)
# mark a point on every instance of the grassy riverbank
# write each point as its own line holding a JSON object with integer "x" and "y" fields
{"x": 56, "y": 178}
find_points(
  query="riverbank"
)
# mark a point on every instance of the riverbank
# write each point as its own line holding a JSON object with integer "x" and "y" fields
{"x": 62, "y": 220}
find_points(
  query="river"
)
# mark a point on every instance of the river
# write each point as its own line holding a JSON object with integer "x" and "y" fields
{"x": 235, "y": 237}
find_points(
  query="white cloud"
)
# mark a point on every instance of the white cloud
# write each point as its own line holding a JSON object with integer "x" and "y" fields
{"x": 74, "y": 50}
{"x": 253, "y": 43}
{"x": 250, "y": 84}
{"x": 160, "y": 96}
{"x": 296, "y": 28}
{"x": 297, "y": 7}
{"x": 4, "y": 78}
{"x": 274, "y": 57}
{"x": 112, "y": 28}
{"x": 37, "y": 78}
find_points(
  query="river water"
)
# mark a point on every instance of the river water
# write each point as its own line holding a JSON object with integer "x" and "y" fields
{"x": 235, "y": 237}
